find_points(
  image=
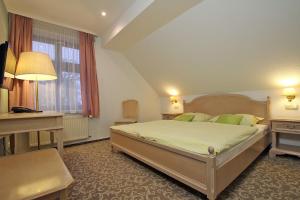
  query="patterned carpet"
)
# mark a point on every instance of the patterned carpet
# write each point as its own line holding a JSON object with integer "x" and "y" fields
{"x": 101, "y": 174}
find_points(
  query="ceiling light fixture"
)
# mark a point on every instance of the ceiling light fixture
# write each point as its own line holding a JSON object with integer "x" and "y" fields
{"x": 103, "y": 13}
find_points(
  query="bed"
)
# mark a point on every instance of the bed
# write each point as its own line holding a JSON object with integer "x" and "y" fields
{"x": 208, "y": 173}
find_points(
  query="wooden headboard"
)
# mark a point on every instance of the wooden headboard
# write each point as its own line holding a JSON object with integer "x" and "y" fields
{"x": 229, "y": 103}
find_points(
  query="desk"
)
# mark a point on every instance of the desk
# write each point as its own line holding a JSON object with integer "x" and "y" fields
{"x": 34, "y": 175}
{"x": 20, "y": 123}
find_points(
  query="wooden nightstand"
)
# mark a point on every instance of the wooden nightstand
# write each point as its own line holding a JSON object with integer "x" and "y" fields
{"x": 280, "y": 127}
{"x": 125, "y": 121}
{"x": 169, "y": 116}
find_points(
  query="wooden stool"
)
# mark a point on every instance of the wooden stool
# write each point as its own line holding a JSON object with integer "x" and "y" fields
{"x": 34, "y": 175}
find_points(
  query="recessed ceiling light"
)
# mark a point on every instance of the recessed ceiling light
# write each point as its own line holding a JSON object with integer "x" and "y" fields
{"x": 103, "y": 13}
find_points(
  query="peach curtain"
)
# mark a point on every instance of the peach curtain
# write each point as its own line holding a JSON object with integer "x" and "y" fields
{"x": 20, "y": 39}
{"x": 88, "y": 76}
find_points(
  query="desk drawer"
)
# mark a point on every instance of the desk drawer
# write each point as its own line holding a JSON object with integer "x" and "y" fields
{"x": 30, "y": 125}
{"x": 289, "y": 126}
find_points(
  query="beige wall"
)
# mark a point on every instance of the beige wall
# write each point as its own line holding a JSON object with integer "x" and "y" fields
{"x": 118, "y": 80}
{"x": 3, "y": 37}
{"x": 278, "y": 102}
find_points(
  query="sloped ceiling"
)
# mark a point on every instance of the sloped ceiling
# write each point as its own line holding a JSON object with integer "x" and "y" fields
{"x": 143, "y": 18}
{"x": 222, "y": 46}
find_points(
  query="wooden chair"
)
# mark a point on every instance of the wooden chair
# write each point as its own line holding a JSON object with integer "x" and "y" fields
{"x": 130, "y": 112}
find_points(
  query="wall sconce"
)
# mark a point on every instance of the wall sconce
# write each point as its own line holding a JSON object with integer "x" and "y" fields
{"x": 174, "y": 99}
{"x": 290, "y": 93}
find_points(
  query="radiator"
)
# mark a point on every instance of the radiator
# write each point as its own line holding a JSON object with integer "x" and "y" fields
{"x": 76, "y": 127}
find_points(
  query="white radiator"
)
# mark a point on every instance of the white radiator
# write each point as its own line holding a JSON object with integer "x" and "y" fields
{"x": 76, "y": 127}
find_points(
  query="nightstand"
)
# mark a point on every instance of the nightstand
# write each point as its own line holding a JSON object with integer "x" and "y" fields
{"x": 125, "y": 121}
{"x": 280, "y": 127}
{"x": 169, "y": 116}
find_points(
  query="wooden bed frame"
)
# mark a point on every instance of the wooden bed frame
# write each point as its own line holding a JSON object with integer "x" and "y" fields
{"x": 199, "y": 171}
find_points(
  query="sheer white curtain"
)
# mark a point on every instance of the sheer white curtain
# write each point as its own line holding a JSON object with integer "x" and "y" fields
{"x": 62, "y": 45}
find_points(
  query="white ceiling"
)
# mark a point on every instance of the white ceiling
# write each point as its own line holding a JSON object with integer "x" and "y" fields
{"x": 84, "y": 15}
{"x": 223, "y": 45}
{"x": 143, "y": 18}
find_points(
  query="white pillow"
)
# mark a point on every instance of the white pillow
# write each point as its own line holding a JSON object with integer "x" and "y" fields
{"x": 201, "y": 117}
{"x": 249, "y": 120}
{"x": 214, "y": 119}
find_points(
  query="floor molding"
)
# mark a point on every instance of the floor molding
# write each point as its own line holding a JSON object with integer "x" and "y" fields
{"x": 86, "y": 142}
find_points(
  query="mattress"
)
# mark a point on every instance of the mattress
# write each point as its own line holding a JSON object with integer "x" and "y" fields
{"x": 231, "y": 153}
{"x": 190, "y": 137}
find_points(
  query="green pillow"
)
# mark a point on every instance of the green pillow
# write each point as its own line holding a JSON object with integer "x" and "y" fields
{"x": 229, "y": 119}
{"x": 185, "y": 118}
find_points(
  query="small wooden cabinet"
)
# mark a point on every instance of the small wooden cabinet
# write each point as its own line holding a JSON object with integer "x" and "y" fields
{"x": 169, "y": 116}
{"x": 279, "y": 128}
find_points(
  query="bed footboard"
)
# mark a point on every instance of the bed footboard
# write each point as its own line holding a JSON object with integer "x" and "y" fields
{"x": 191, "y": 171}
{"x": 198, "y": 172}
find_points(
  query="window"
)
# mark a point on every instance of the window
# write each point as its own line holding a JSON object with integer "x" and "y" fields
{"x": 44, "y": 48}
{"x": 62, "y": 45}
{"x": 70, "y": 55}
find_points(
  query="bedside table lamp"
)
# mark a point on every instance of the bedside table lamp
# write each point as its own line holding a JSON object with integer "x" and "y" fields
{"x": 174, "y": 99}
{"x": 35, "y": 66}
{"x": 290, "y": 94}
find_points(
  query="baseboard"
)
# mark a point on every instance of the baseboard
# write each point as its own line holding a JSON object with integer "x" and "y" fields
{"x": 86, "y": 142}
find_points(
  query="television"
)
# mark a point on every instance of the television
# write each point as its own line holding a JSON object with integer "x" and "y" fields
{"x": 8, "y": 63}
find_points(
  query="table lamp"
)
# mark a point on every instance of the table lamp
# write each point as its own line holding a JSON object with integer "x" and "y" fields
{"x": 10, "y": 65}
{"x": 35, "y": 66}
{"x": 9, "y": 68}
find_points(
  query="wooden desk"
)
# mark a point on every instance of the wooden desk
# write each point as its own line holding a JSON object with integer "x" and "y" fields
{"x": 17, "y": 123}
{"x": 38, "y": 174}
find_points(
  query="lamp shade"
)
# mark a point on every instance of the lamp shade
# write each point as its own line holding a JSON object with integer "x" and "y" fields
{"x": 35, "y": 66}
{"x": 289, "y": 92}
{"x": 10, "y": 65}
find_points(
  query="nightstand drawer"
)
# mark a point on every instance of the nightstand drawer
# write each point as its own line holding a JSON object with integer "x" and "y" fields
{"x": 291, "y": 126}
